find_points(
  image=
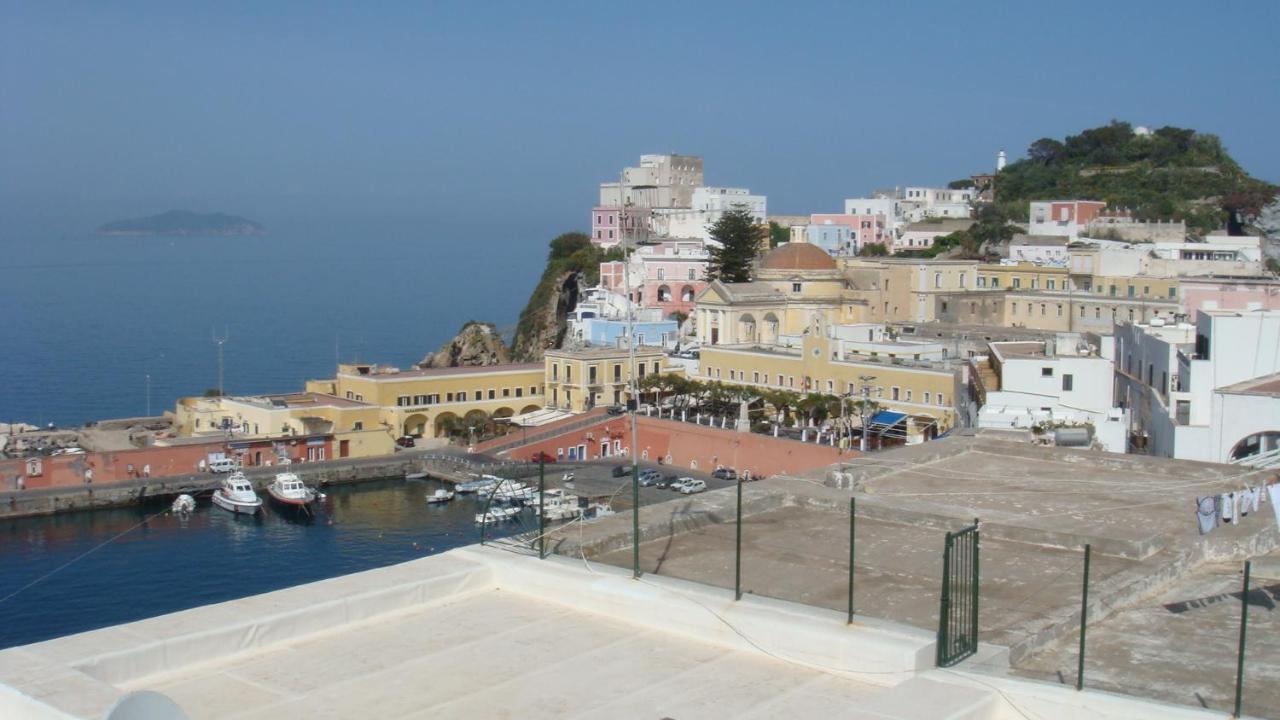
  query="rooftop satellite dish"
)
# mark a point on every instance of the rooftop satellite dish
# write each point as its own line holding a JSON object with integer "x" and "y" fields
{"x": 145, "y": 705}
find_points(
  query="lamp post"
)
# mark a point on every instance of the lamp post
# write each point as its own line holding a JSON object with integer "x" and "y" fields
{"x": 633, "y": 402}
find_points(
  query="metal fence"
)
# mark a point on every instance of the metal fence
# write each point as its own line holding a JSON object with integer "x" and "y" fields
{"x": 958, "y": 615}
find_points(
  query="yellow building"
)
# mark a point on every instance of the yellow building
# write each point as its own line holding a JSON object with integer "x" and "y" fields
{"x": 423, "y": 403}
{"x": 926, "y": 392}
{"x": 578, "y": 380}
{"x": 1137, "y": 287}
{"x": 357, "y": 427}
{"x": 1023, "y": 276}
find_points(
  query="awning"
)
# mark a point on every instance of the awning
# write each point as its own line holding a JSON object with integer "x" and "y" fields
{"x": 885, "y": 419}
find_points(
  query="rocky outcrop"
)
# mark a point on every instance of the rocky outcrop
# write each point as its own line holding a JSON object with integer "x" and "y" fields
{"x": 476, "y": 344}
{"x": 544, "y": 322}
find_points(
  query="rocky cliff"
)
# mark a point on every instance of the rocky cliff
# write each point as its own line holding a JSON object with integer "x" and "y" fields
{"x": 476, "y": 344}
{"x": 544, "y": 322}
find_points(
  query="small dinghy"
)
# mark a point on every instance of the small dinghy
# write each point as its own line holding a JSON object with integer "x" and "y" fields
{"x": 184, "y": 504}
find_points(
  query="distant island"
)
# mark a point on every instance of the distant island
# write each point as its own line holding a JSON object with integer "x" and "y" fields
{"x": 183, "y": 222}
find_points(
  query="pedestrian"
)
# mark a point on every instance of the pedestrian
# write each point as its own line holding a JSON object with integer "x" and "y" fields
{"x": 146, "y": 470}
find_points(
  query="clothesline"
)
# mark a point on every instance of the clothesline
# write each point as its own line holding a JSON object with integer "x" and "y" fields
{"x": 1232, "y": 507}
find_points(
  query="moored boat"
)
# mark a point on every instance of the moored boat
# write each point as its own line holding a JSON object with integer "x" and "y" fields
{"x": 440, "y": 496}
{"x": 235, "y": 494}
{"x": 482, "y": 484}
{"x": 496, "y": 514}
{"x": 288, "y": 491}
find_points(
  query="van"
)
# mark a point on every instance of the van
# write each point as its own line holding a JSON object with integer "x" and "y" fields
{"x": 223, "y": 465}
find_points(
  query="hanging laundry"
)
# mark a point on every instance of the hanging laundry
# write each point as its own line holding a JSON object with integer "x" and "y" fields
{"x": 1274, "y": 491}
{"x": 1207, "y": 513}
{"x": 1251, "y": 498}
{"x": 1227, "y": 501}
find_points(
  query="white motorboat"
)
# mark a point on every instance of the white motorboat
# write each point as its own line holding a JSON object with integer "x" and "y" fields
{"x": 496, "y": 514}
{"x": 184, "y": 504}
{"x": 484, "y": 484}
{"x": 513, "y": 490}
{"x": 236, "y": 495}
{"x": 440, "y": 496}
{"x": 415, "y": 476}
{"x": 288, "y": 491}
{"x": 557, "y": 505}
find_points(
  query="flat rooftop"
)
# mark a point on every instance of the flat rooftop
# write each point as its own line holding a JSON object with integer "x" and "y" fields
{"x": 440, "y": 372}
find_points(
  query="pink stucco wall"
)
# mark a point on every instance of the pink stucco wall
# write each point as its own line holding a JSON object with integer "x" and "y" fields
{"x": 1209, "y": 294}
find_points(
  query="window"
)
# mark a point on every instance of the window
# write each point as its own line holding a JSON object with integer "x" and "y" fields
{"x": 357, "y": 425}
{"x": 1132, "y": 290}
{"x": 926, "y": 398}
{"x": 448, "y": 397}
{"x": 555, "y": 372}
{"x": 691, "y": 274}
{"x": 1113, "y": 291}
{"x": 350, "y": 395}
{"x": 506, "y": 392}
{"x": 591, "y": 374}
{"x": 961, "y": 279}
{"x": 1146, "y": 290}
{"x": 419, "y": 399}
{"x": 780, "y": 382}
{"x": 982, "y": 281}
{"x": 519, "y": 392}
{"x": 617, "y": 372}
{"x": 1097, "y": 313}
{"x": 908, "y": 396}
{"x": 1035, "y": 283}
{"x": 791, "y": 381}
{"x": 1081, "y": 311}
{"x": 941, "y": 401}
{"x": 937, "y": 279}
{"x": 568, "y": 373}
{"x": 657, "y": 367}
{"x": 662, "y": 273}
{"x": 1043, "y": 310}
{"x": 1046, "y": 372}
{"x": 1173, "y": 292}
{"x": 1014, "y": 307}
{"x": 533, "y": 390}
{"x": 944, "y": 306}
{"x": 831, "y": 386}
{"x": 462, "y": 396}
{"x": 1067, "y": 382}
{"x": 893, "y": 393}
{"x": 1051, "y": 284}
{"x": 492, "y": 394}
{"x": 359, "y": 397}
{"x": 1017, "y": 283}
{"x": 995, "y": 282}
{"x": 795, "y": 287}
{"x": 1059, "y": 309}
{"x": 755, "y": 377}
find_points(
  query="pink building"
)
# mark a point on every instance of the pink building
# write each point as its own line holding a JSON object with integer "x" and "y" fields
{"x": 609, "y": 225}
{"x": 866, "y": 228}
{"x": 666, "y": 276}
{"x": 1229, "y": 293}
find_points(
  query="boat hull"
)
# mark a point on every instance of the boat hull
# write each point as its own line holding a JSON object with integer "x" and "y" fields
{"x": 239, "y": 508}
{"x": 290, "y": 504}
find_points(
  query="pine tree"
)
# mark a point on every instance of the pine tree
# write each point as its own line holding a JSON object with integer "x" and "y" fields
{"x": 740, "y": 239}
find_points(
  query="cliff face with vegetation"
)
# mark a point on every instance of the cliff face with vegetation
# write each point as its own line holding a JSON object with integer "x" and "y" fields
{"x": 476, "y": 345}
{"x": 1171, "y": 173}
{"x": 573, "y": 265}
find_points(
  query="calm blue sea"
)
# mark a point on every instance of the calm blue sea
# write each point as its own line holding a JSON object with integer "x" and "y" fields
{"x": 84, "y": 319}
{"x": 160, "y": 563}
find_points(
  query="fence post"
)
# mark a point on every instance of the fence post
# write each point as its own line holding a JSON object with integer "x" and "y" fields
{"x": 977, "y": 594}
{"x": 1244, "y": 624}
{"x": 542, "y": 499}
{"x": 945, "y": 612}
{"x": 737, "y": 555}
{"x": 1084, "y": 617}
{"x": 635, "y": 508}
{"x": 852, "y": 507}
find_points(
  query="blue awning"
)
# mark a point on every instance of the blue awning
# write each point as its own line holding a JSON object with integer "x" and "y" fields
{"x": 886, "y": 419}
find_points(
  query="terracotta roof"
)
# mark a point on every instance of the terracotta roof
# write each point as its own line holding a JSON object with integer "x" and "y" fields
{"x": 798, "y": 256}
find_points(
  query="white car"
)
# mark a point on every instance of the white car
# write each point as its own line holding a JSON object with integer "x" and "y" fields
{"x": 223, "y": 465}
{"x": 689, "y": 486}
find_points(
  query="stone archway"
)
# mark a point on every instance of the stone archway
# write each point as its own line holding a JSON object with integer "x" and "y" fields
{"x": 664, "y": 293}
{"x": 746, "y": 328}
{"x": 686, "y": 294}
{"x": 529, "y": 408}
{"x": 447, "y": 424}
{"x": 415, "y": 425}
{"x": 769, "y": 333}
{"x": 1249, "y": 446}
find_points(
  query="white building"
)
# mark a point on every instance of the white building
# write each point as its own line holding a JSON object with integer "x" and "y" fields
{"x": 888, "y": 208}
{"x": 1061, "y": 383}
{"x": 1203, "y": 391}
{"x": 1042, "y": 250}
{"x": 918, "y": 203}
{"x": 708, "y": 205}
{"x": 920, "y": 235}
{"x": 661, "y": 181}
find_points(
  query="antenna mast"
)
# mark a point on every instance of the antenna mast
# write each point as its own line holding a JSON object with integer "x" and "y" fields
{"x": 220, "y": 341}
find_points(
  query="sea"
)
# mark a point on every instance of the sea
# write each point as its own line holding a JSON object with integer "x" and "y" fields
{"x": 99, "y": 327}
{"x": 81, "y": 571}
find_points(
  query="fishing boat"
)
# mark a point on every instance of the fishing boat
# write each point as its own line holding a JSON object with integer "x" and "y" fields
{"x": 288, "y": 491}
{"x": 415, "y": 476}
{"x": 496, "y": 514}
{"x": 513, "y": 491}
{"x": 440, "y": 496}
{"x": 557, "y": 505}
{"x": 235, "y": 494}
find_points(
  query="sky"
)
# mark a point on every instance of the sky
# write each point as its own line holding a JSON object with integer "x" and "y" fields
{"x": 485, "y": 109}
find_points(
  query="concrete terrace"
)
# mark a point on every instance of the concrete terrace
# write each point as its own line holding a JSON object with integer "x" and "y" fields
{"x": 1038, "y": 508}
{"x": 485, "y": 632}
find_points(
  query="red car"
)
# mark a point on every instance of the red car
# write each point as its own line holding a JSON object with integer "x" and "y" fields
{"x": 541, "y": 456}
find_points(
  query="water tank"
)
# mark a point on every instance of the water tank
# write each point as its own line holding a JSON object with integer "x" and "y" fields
{"x": 1071, "y": 437}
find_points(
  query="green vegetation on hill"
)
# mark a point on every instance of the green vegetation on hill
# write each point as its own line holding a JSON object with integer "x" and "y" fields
{"x": 1173, "y": 173}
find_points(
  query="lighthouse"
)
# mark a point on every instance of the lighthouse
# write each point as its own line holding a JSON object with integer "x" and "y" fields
{"x": 1001, "y": 160}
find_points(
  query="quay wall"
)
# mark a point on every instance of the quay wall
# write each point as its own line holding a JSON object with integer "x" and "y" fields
{"x": 52, "y": 500}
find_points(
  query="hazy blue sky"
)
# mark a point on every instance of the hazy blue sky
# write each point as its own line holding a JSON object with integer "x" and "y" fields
{"x": 522, "y": 108}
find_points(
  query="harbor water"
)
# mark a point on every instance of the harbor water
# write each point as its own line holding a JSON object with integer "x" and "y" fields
{"x": 71, "y": 573}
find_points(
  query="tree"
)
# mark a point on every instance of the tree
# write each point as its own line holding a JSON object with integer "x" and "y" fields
{"x": 873, "y": 250}
{"x": 778, "y": 234}
{"x": 212, "y": 392}
{"x": 739, "y": 237}
{"x": 1045, "y": 151}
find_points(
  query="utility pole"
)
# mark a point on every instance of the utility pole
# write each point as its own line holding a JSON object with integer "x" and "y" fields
{"x": 862, "y": 410}
{"x": 220, "y": 341}
{"x": 633, "y": 403}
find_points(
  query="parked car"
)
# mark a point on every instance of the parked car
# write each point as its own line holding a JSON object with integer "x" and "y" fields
{"x": 650, "y": 472}
{"x": 223, "y": 465}
{"x": 678, "y": 484}
{"x": 541, "y": 457}
{"x": 725, "y": 474}
{"x": 649, "y": 480}
{"x": 405, "y": 441}
{"x": 689, "y": 486}
{"x": 620, "y": 470}
{"x": 615, "y": 409}
{"x": 665, "y": 481}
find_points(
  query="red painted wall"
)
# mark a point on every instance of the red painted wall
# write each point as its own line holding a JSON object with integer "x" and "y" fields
{"x": 683, "y": 444}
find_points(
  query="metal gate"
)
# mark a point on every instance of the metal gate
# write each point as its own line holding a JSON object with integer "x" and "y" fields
{"x": 958, "y": 616}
